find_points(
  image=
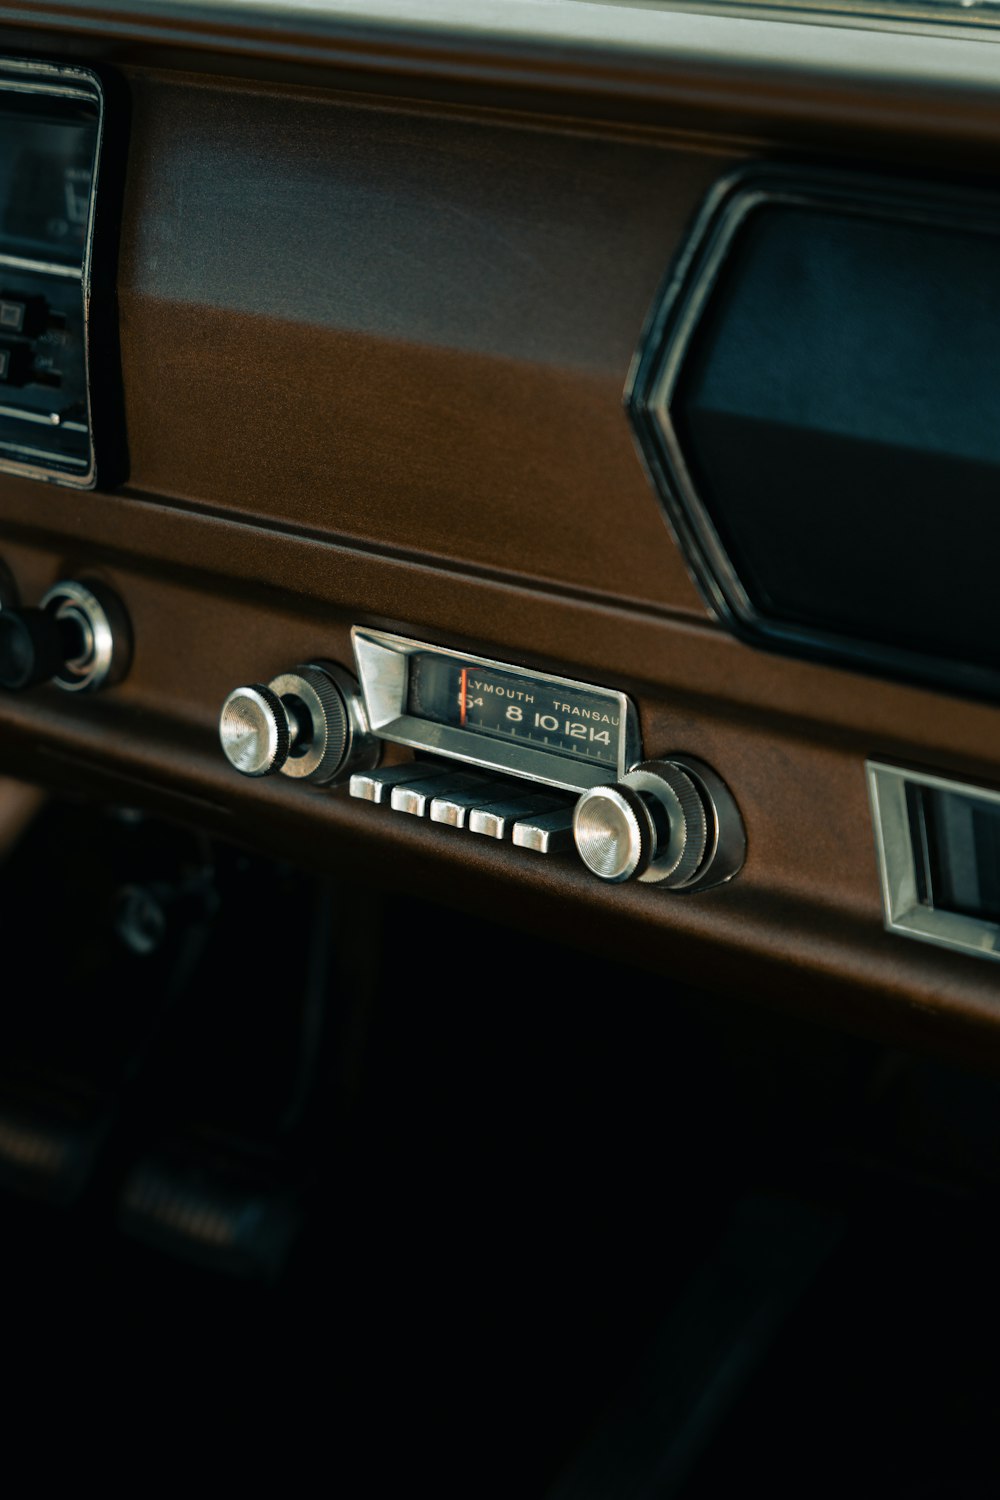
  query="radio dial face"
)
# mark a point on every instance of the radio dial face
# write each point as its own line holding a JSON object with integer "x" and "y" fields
{"x": 515, "y": 706}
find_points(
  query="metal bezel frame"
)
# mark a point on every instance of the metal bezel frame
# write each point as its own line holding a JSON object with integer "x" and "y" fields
{"x": 106, "y": 630}
{"x": 659, "y": 358}
{"x": 60, "y": 80}
{"x": 903, "y": 910}
{"x": 382, "y": 673}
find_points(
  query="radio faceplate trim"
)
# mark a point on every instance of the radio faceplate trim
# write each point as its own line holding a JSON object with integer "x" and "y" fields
{"x": 383, "y": 664}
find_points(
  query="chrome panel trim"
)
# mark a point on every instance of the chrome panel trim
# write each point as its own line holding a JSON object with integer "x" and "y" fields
{"x": 626, "y": 33}
{"x": 16, "y": 468}
{"x": 106, "y": 629}
{"x": 903, "y": 910}
{"x": 40, "y": 418}
{"x": 47, "y": 267}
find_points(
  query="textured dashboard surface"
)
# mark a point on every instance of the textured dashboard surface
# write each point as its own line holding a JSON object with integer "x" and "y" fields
{"x": 373, "y": 354}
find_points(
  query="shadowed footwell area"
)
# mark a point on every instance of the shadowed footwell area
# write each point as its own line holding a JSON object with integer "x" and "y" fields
{"x": 449, "y": 1205}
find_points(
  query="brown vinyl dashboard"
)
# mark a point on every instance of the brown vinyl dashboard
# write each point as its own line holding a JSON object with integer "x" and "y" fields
{"x": 380, "y": 280}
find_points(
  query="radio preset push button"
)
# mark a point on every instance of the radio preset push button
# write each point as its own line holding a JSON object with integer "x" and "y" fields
{"x": 497, "y": 820}
{"x": 466, "y": 799}
{"x": 415, "y": 796}
{"x": 452, "y": 808}
{"x": 376, "y": 786}
{"x": 547, "y": 833}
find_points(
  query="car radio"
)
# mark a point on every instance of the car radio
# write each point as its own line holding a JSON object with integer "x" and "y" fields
{"x": 546, "y": 763}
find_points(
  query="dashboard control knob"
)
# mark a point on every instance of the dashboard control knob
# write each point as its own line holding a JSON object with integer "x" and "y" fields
{"x": 254, "y": 730}
{"x": 653, "y": 826}
{"x": 319, "y": 719}
{"x": 33, "y": 647}
{"x": 308, "y": 724}
{"x": 614, "y": 832}
{"x": 78, "y": 638}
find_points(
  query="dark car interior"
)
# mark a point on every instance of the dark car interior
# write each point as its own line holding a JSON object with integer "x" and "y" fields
{"x": 500, "y": 740}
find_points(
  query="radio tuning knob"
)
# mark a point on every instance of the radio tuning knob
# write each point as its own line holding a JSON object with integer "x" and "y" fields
{"x": 308, "y": 724}
{"x": 254, "y": 730}
{"x": 671, "y": 823}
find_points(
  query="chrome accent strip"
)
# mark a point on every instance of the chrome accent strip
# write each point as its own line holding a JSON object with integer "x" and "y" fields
{"x": 45, "y": 267}
{"x": 641, "y": 32}
{"x": 54, "y": 90}
{"x": 12, "y": 467}
{"x": 47, "y": 419}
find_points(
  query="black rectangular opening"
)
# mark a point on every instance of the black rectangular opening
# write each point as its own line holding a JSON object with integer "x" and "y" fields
{"x": 957, "y": 841}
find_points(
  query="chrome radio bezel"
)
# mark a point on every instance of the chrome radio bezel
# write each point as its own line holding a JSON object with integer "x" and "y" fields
{"x": 382, "y": 661}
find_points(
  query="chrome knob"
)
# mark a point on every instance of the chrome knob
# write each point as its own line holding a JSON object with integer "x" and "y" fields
{"x": 319, "y": 720}
{"x": 308, "y": 724}
{"x": 254, "y": 730}
{"x": 615, "y": 832}
{"x": 652, "y": 826}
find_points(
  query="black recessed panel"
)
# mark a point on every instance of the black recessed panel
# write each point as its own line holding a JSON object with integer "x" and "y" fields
{"x": 819, "y": 401}
{"x": 50, "y": 137}
{"x": 963, "y": 853}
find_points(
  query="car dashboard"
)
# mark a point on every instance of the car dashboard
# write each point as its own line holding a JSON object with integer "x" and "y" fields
{"x": 492, "y": 463}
